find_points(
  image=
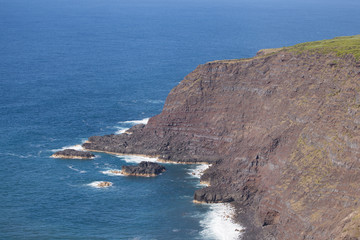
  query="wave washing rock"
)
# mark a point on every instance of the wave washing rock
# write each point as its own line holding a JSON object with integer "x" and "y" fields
{"x": 73, "y": 154}
{"x": 143, "y": 169}
{"x": 104, "y": 184}
{"x": 281, "y": 131}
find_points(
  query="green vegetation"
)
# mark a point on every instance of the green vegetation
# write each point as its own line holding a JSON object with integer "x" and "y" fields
{"x": 341, "y": 46}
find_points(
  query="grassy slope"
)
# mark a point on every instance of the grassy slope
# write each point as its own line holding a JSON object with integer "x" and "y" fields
{"x": 341, "y": 46}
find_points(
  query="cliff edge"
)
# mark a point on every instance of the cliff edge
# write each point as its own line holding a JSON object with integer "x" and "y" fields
{"x": 281, "y": 131}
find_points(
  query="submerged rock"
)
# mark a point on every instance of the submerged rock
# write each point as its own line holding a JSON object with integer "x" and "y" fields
{"x": 144, "y": 169}
{"x": 73, "y": 154}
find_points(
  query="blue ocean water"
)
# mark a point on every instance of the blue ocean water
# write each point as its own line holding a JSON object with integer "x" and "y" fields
{"x": 70, "y": 69}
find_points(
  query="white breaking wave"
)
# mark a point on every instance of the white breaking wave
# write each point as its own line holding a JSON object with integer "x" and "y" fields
{"x": 121, "y": 130}
{"x": 143, "y": 121}
{"x": 95, "y": 184}
{"x": 198, "y": 170}
{"x": 112, "y": 172}
{"x": 126, "y": 125}
{"x": 77, "y": 147}
{"x": 136, "y": 158}
{"x": 218, "y": 223}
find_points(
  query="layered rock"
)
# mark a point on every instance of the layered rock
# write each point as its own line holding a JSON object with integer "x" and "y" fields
{"x": 143, "y": 169}
{"x": 281, "y": 130}
{"x": 73, "y": 154}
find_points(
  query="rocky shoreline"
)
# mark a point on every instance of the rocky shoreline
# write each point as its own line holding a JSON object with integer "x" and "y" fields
{"x": 281, "y": 132}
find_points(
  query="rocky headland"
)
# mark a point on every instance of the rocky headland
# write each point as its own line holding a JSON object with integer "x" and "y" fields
{"x": 73, "y": 154}
{"x": 143, "y": 169}
{"x": 281, "y": 131}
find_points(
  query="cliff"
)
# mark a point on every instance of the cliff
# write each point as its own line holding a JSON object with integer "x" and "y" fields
{"x": 281, "y": 130}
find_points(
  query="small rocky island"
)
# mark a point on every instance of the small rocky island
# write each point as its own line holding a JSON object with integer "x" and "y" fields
{"x": 73, "y": 154}
{"x": 143, "y": 169}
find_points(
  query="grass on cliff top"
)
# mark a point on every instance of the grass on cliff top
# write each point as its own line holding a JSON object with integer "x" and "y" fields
{"x": 341, "y": 46}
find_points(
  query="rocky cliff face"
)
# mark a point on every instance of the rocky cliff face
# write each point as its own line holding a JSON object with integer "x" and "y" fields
{"x": 281, "y": 130}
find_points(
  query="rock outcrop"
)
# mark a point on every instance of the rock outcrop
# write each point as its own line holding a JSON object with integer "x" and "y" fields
{"x": 73, "y": 154}
{"x": 104, "y": 184}
{"x": 143, "y": 169}
{"x": 281, "y": 131}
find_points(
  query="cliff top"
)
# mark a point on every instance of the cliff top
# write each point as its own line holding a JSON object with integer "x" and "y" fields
{"x": 341, "y": 46}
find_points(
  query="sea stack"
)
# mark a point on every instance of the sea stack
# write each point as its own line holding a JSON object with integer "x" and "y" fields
{"x": 282, "y": 132}
{"x": 73, "y": 154}
{"x": 143, "y": 169}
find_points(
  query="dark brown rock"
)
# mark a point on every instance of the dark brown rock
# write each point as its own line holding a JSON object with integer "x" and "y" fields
{"x": 143, "y": 169}
{"x": 211, "y": 195}
{"x": 271, "y": 217}
{"x": 74, "y": 154}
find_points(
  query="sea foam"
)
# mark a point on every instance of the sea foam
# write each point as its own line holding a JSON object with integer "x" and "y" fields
{"x": 143, "y": 121}
{"x": 121, "y": 130}
{"x": 95, "y": 184}
{"x": 126, "y": 125}
{"x": 112, "y": 172}
{"x": 136, "y": 158}
{"x": 198, "y": 170}
{"x": 77, "y": 147}
{"x": 218, "y": 223}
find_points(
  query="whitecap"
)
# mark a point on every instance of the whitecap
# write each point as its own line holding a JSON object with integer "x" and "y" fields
{"x": 218, "y": 223}
{"x": 112, "y": 172}
{"x": 136, "y": 158}
{"x": 75, "y": 169}
{"x": 142, "y": 121}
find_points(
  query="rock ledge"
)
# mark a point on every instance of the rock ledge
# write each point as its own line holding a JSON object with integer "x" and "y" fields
{"x": 73, "y": 154}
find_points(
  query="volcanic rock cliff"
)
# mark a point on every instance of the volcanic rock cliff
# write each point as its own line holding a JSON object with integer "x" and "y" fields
{"x": 282, "y": 131}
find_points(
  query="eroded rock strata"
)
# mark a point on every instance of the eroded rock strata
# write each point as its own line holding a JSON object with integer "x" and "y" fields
{"x": 73, "y": 154}
{"x": 143, "y": 169}
{"x": 282, "y": 133}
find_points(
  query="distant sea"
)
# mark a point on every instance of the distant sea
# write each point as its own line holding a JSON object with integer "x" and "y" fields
{"x": 71, "y": 69}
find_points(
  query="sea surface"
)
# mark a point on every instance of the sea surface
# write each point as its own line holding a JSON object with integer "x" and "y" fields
{"x": 71, "y": 69}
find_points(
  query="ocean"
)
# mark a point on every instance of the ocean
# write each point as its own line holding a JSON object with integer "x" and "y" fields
{"x": 71, "y": 69}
